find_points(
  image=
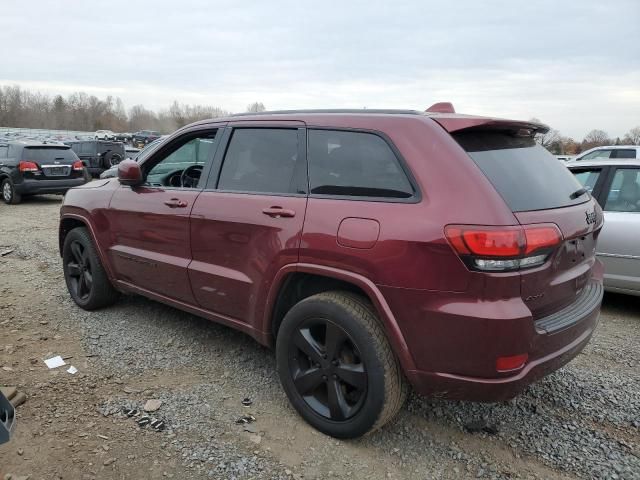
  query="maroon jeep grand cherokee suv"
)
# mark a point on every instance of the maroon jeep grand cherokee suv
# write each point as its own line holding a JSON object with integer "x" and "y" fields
{"x": 374, "y": 249}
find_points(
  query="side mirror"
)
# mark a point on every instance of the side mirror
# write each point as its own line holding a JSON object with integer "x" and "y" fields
{"x": 129, "y": 173}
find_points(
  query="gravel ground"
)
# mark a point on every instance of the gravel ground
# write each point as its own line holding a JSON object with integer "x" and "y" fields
{"x": 581, "y": 422}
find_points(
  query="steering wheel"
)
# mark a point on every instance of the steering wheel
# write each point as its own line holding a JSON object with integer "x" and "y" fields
{"x": 190, "y": 176}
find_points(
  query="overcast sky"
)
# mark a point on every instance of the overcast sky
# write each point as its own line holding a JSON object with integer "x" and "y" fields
{"x": 573, "y": 64}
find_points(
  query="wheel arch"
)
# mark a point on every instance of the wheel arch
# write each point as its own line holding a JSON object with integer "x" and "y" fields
{"x": 293, "y": 283}
{"x": 68, "y": 222}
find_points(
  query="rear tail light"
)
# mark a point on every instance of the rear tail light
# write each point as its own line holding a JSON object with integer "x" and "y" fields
{"x": 28, "y": 166}
{"x": 500, "y": 249}
{"x": 78, "y": 165}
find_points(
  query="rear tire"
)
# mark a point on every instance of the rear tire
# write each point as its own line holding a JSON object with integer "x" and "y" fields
{"x": 9, "y": 194}
{"x": 337, "y": 367}
{"x": 84, "y": 274}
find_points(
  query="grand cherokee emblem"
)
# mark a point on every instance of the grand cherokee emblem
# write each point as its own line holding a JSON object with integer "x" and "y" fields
{"x": 591, "y": 217}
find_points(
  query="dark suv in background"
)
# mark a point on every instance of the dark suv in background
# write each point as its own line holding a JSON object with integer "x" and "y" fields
{"x": 374, "y": 249}
{"x": 98, "y": 155}
{"x": 143, "y": 137}
{"x": 30, "y": 168}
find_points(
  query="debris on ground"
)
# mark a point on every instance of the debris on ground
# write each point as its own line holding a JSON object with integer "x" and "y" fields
{"x": 15, "y": 397}
{"x": 18, "y": 399}
{"x": 55, "y": 362}
{"x": 152, "y": 405}
{"x": 144, "y": 421}
{"x": 246, "y": 419}
{"x": 247, "y": 402}
{"x": 480, "y": 426}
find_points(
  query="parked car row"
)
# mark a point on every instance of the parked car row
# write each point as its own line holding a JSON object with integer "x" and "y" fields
{"x": 144, "y": 137}
{"x": 369, "y": 247}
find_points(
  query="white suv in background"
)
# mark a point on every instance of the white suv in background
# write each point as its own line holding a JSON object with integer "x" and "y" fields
{"x": 105, "y": 135}
{"x": 614, "y": 151}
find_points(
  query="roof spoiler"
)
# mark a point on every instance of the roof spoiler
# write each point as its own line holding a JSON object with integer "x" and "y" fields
{"x": 456, "y": 123}
{"x": 441, "y": 107}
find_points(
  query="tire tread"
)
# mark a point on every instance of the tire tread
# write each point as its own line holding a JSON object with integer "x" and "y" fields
{"x": 105, "y": 294}
{"x": 396, "y": 386}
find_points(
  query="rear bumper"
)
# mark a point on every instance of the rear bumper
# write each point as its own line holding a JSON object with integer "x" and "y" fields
{"x": 459, "y": 387}
{"x": 33, "y": 187}
{"x": 455, "y": 340}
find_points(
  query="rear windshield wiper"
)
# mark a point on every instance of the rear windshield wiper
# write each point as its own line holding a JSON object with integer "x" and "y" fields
{"x": 578, "y": 193}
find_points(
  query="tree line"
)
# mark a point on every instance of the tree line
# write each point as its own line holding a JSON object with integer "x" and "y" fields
{"x": 559, "y": 144}
{"x": 79, "y": 111}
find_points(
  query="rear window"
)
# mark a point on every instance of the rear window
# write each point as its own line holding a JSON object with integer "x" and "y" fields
{"x": 525, "y": 174}
{"x": 48, "y": 154}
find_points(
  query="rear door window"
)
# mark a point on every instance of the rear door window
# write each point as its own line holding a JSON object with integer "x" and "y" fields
{"x": 355, "y": 164}
{"x": 260, "y": 160}
{"x": 624, "y": 194}
{"x": 525, "y": 174}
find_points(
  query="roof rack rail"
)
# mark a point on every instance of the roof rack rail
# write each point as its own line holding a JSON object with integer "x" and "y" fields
{"x": 334, "y": 111}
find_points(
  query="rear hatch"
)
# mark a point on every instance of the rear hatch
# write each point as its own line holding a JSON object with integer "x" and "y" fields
{"x": 541, "y": 192}
{"x": 53, "y": 162}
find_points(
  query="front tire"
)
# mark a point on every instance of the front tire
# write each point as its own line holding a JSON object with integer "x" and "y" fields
{"x": 84, "y": 274}
{"x": 337, "y": 367}
{"x": 9, "y": 194}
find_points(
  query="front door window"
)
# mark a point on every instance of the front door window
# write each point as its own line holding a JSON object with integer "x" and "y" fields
{"x": 182, "y": 167}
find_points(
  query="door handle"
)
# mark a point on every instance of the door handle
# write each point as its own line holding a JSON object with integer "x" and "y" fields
{"x": 175, "y": 203}
{"x": 277, "y": 212}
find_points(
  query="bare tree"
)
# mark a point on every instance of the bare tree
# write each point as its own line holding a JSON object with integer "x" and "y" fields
{"x": 141, "y": 118}
{"x": 632, "y": 137}
{"x": 595, "y": 138}
{"x": 549, "y": 140}
{"x": 256, "y": 107}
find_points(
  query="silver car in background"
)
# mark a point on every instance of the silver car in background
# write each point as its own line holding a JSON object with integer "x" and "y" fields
{"x": 615, "y": 184}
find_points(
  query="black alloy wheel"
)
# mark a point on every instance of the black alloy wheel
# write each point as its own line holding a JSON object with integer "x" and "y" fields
{"x": 78, "y": 269}
{"x": 327, "y": 369}
{"x": 86, "y": 278}
{"x": 336, "y": 364}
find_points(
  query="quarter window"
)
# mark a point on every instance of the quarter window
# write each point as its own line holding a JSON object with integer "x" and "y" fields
{"x": 355, "y": 164}
{"x": 623, "y": 153}
{"x": 260, "y": 160}
{"x": 624, "y": 195}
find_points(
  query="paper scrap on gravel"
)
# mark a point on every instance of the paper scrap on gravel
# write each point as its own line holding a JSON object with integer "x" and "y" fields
{"x": 72, "y": 370}
{"x": 54, "y": 362}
